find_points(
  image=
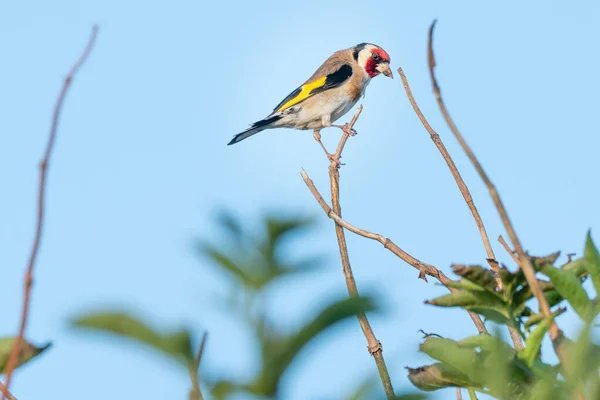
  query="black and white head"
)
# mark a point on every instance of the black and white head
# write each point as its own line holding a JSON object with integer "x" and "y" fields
{"x": 373, "y": 59}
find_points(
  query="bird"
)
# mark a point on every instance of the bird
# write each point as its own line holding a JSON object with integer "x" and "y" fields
{"x": 332, "y": 90}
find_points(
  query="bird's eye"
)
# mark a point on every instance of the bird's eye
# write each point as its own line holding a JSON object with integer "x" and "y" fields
{"x": 376, "y": 57}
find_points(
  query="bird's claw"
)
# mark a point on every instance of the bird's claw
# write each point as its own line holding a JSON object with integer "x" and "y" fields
{"x": 346, "y": 129}
{"x": 335, "y": 160}
{"x": 350, "y": 131}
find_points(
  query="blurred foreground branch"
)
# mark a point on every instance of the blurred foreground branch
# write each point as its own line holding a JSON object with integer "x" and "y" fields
{"x": 14, "y": 354}
{"x": 194, "y": 367}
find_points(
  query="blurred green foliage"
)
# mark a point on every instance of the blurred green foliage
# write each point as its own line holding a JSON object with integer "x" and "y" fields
{"x": 480, "y": 364}
{"x": 252, "y": 260}
{"x": 27, "y": 351}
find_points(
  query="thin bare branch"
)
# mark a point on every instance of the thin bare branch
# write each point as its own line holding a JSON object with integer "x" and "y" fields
{"x": 491, "y": 258}
{"x": 374, "y": 345}
{"x": 345, "y": 136}
{"x": 464, "y": 190}
{"x": 508, "y": 250}
{"x": 458, "y": 394}
{"x": 423, "y": 268}
{"x": 524, "y": 262}
{"x": 13, "y": 358}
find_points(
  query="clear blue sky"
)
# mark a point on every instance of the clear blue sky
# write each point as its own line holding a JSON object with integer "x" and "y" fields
{"x": 141, "y": 166}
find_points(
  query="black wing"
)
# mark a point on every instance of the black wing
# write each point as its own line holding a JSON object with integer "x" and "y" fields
{"x": 319, "y": 85}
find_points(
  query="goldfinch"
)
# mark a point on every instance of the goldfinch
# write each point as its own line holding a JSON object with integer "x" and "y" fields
{"x": 328, "y": 94}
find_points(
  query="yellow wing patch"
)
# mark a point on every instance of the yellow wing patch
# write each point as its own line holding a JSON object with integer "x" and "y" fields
{"x": 304, "y": 93}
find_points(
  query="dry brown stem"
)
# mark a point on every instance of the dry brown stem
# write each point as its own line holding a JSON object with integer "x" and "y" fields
{"x": 423, "y": 268}
{"x": 508, "y": 250}
{"x": 462, "y": 186}
{"x": 374, "y": 345}
{"x": 13, "y": 358}
{"x": 523, "y": 261}
{"x": 464, "y": 190}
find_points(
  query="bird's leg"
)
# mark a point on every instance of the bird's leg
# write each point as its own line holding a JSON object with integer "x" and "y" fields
{"x": 346, "y": 129}
{"x": 331, "y": 157}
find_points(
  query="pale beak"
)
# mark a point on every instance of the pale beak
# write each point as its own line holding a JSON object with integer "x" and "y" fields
{"x": 384, "y": 68}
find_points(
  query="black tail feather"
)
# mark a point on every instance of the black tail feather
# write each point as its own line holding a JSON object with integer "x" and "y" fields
{"x": 254, "y": 128}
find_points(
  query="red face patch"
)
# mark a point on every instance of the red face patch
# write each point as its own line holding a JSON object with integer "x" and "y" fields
{"x": 378, "y": 55}
{"x": 381, "y": 53}
{"x": 371, "y": 68}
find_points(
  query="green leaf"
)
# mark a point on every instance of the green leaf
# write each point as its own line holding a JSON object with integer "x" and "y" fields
{"x": 255, "y": 260}
{"x": 522, "y": 295}
{"x": 456, "y": 299}
{"x": 27, "y": 351}
{"x": 232, "y": 226}
{"x": 568, "y": 285}
{"x": 540, "y": 263}
{"x": 308, "y": 264}
{"x": 177, "y": 345}
{"x": 511, "y": 280}
{"x": 450, "y": 353}
{"x": 466, "y": 285}
{"x": 224, "y": 389}
{"x": 576, "y": 266}
{"x": 230, "y": 265}
{"x": 534, "y": 342}
{"x": 537, "y": 318}
{"x": 278, "y": 356}
{"x": 544, "y": 370}
{"x": 476, "y": 274}
{"x": 437, "y": 376}
{"x": 489, "y": 305}
{"x": 592, "y": 262}
{"x": 490, "y": 314}
{"x": 485, "y": 342}
{"x": 583, "y": 358}
{"x": 494, "y": 371}
{"x": 553, "y": 297}
{"x": 277, "y": 228}
{"x": 548, "y": 389}
{"x": 465, "y": 299}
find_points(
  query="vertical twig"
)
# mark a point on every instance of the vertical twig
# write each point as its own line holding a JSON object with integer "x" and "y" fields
{"x": 464, "y": 190}
{"x": 491, "y": 257}
{"x": 524, "y": 262}
{"x": 458, "y": 394}
{"x": 374, "y": 345}
{"x": 195, "y": 392}
{"x": 14, "y": 354}
{"x": 423, "y": 268}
